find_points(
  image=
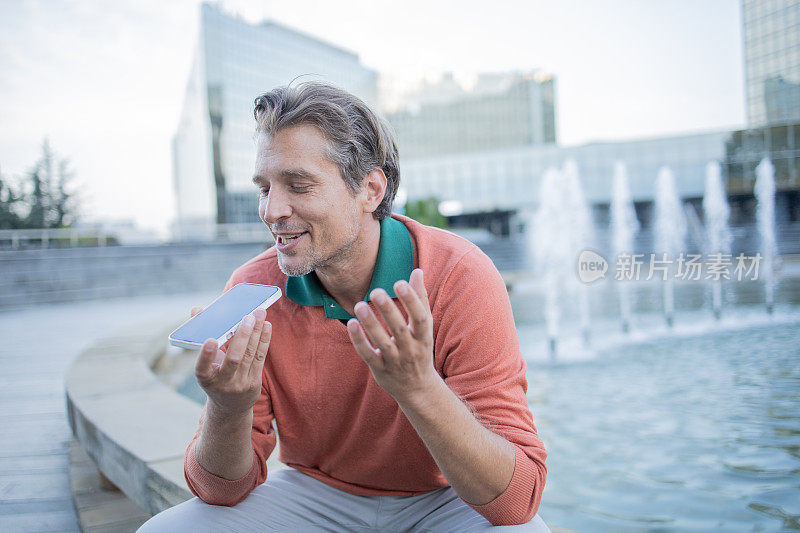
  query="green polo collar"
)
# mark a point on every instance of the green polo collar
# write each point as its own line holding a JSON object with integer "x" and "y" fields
{"x": 395, "y": 262}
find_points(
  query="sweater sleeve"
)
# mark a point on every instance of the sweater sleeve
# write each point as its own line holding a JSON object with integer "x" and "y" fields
{"x": 482, "y": 364}
{"x": 220, "y": 491}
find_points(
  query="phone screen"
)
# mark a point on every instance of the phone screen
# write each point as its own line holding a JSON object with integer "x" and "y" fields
{"x": 225, "y": 312}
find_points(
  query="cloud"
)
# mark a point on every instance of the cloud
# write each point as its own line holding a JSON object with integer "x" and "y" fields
{"x": 105, "y": 80}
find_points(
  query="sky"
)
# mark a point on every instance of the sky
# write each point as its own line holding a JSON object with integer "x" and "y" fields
{"x": 104, "y": 81}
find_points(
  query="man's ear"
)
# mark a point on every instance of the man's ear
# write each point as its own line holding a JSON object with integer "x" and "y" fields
{"x": 373, "y": 187}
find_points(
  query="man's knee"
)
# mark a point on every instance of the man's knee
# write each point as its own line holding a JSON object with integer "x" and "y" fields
{"x": 193, "y": 516}
{"x": 536, "y": 525}
{"x": 160, "y": 522}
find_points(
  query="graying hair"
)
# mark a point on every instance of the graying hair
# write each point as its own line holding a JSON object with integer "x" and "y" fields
{"x": 359, "y": 141}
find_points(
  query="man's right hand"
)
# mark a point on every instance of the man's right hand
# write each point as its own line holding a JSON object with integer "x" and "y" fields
{"x": 232, "y": 380}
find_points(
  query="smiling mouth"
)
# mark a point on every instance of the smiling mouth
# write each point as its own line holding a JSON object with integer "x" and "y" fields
{"x": 286, "y": 239}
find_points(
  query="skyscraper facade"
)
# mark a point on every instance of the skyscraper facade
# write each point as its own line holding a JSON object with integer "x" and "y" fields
{"x": 213, "y": 148}
{"x": 500, "y": 111}
{"x": 771, "y": 32}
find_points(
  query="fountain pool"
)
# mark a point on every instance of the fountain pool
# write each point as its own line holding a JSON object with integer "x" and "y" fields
{"x": 684, "y": 433}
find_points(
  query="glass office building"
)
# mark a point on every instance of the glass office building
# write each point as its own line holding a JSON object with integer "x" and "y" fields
{"x": 745, "y": 149}
{"x": 509, "y": 180}
{"x": 771, "y": 32}
{"x": 213, "y": 148}
{"x": 499, "y": 111}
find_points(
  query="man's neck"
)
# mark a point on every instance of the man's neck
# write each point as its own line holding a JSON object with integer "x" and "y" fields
{"x": 348, "y": 280}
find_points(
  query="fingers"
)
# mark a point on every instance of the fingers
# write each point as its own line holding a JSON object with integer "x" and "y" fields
{"x": 237, "y": 346}
{"x": 255, "y": 336}
{"x": 203, "y": 369}
{"x": 218, "y": 359}
{"x": 261, "y": 351}
{"x": 418, "y": 284}
{"x": 419, "y": 312}
{"x": 373, "y": 328}
{"x": 414, "y": 299}
{"x": 195, "y": 310}
{"x": 362, "y": 345}
{"x": 394, "y": 319}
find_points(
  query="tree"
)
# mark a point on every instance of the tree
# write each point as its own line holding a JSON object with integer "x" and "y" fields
{"x": 44, "y": 196}
{"x": 10, "y": 202}
{"x": 426, "y": 212}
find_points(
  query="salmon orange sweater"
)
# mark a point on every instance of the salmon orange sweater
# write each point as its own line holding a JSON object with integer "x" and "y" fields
{"x": 337, "y": 425}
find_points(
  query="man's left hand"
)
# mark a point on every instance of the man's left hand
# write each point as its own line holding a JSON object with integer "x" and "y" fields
{"x": 401, "y": 360}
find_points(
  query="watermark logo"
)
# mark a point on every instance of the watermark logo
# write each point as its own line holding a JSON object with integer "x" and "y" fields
{"x": 591, "y": 266}
{"x": 686, "y": 266}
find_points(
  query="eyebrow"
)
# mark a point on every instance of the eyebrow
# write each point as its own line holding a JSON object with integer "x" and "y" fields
{"x": 296, "y": 173}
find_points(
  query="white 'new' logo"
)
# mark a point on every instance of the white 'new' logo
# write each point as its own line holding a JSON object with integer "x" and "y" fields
{"x": 591, "y": 266}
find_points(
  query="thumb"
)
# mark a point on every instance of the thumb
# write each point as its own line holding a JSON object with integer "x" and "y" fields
{"x": 203, "y": 369}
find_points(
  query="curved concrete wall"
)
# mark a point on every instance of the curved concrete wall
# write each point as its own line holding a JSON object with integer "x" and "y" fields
{"x": 134, "y": 427}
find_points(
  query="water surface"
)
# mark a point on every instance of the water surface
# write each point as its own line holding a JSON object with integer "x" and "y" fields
{"x": 679, "y": 434}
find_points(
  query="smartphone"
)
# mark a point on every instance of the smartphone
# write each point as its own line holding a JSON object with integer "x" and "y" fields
{"x": 222, "y": 316}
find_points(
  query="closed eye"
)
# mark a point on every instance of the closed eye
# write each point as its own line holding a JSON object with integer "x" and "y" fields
{"x": 264, "y": 191}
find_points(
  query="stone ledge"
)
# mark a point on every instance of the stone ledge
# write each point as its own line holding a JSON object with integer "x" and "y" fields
{"x": 130, "y": 424}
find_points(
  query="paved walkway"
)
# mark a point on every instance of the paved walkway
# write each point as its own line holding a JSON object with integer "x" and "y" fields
{"x": 38, "y": 345}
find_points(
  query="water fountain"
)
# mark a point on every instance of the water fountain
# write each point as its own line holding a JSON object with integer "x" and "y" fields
{"x": 624, "y": 226}
{"x": 718, "y": 235}
{"x": 670, "y": 233}
{"x": 551, "y": 250}
{"x": 580, "y": 236}
{"x": 699, "y": 376}
{"x": 562, "y": 229}
{"x": 765, "y": 220}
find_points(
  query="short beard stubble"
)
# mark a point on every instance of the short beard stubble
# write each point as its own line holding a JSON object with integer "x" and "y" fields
{"x": 313, "y": 261}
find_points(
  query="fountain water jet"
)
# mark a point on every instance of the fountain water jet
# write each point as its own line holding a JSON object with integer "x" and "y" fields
{"x": 624, "y": 226}
{"x": 670, "y": 232}
{"x": 765, "y": 219}
{"x": 581, "y": 234}
{"x": 562, "y": 228}
{"x": 551, "y": 249}
{"x": 717, "y": 212}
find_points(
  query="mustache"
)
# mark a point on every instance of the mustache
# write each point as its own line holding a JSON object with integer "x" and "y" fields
{"x": 280, "y": 229}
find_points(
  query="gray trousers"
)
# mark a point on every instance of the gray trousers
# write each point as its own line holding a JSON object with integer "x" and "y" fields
{"x": 295, "y": 502}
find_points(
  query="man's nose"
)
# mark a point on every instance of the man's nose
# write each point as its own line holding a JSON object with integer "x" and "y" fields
{"x": 277, "y": 207}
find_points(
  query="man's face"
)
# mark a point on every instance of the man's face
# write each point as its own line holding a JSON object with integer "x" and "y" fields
{"x": 304, "y": 200}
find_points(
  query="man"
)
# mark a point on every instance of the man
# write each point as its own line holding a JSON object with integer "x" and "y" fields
{"x": 391, "y": 366}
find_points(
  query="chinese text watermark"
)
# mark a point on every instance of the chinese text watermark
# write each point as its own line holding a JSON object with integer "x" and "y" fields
{"x": 687, "y": 267}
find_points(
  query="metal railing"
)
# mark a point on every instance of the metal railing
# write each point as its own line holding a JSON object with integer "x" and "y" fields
{"x": 244, "y": 232}
{"x": 100, "y": 236}
{"x": 45, "y": 237}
